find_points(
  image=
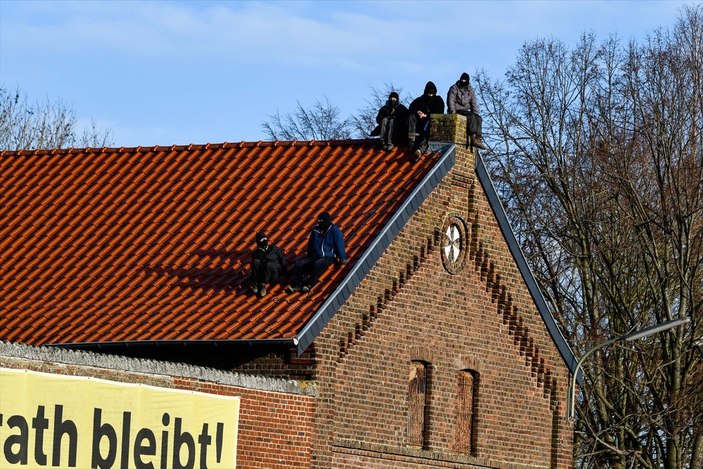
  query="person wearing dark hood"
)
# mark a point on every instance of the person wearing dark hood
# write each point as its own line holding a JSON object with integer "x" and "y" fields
{"x": 391, "y": 118}
{"x": 419, "y": 119}
{"x": 461, "y": 99}
{"x": 325, "y": 246}
{"x": 266, "y": 264}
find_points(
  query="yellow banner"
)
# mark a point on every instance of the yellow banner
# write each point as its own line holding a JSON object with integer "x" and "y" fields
{"x": 58, "y": 421}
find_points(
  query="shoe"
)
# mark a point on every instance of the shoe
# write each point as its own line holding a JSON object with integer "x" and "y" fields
{"x": 292, "y": 289}
{"x": 388, "y": 146}
{"x": 306, "y": 288}
{"x": 262, "y": 291}
{"x": 254, "y": 288}
{"x": 416, "y": 155}
{"x": 478, "y": 142}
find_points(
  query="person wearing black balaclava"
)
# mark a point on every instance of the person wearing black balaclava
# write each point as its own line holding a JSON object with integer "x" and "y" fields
{"x": 461, "y": 99}
{"x": 419, "y": 119}
{"x": 266, "y": 264}
{"x": 325, "y": 247}
{"x": 391, "y": 118}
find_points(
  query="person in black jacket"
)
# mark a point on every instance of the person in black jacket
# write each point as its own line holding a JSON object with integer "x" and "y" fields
{"x": 391, "y": 118}
{"x": 419, "y": 120}
{"x": 266, "y": 264}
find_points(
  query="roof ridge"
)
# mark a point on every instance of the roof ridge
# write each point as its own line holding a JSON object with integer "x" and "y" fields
{"x": 189, "y": 147}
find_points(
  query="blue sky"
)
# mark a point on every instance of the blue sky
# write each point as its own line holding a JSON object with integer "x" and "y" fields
{"x": 180, "y": 72}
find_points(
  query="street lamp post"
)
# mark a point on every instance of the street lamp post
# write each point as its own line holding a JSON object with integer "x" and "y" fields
{"x": 634, "y": 335}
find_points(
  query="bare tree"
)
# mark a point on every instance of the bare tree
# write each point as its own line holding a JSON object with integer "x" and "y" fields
{"x": 598, "y": 152}
{"x": 365, "y": 120}
{"x": 43, "y": 125}
{"x": 322, "y": 121}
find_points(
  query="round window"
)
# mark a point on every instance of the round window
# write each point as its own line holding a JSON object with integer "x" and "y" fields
{"x": 454, "y": 244}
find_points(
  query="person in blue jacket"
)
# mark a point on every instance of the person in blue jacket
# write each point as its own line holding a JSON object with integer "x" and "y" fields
{"x": 325, "y": 247}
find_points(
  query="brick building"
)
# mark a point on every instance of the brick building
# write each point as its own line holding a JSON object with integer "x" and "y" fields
{"x": 432, "y": 347}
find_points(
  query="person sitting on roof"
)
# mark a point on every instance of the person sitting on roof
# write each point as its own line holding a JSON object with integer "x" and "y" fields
{"x": 419, "y": 119}
{"x": 325, "y": 246}
{"x": 461, "y": 99}
{"x": 266, "y": 264}
{"x": 391, "y": 118}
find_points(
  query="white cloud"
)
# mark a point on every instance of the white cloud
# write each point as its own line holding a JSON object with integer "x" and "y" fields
{"x": 165, "y": 68}
{"x": 249, "y": 32}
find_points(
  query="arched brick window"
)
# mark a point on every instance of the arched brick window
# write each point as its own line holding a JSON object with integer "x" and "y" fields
{"x": 467, "y": 399}
{"x": 417, "y": 403}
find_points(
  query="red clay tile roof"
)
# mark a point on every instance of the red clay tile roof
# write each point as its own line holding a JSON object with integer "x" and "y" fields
{"x": 153, "y": 244}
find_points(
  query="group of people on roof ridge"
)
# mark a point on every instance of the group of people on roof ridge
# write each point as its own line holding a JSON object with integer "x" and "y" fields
{"x": 395, "y": 120}
{"x": 326, "y": 242}
{"x": 325, "y": 247}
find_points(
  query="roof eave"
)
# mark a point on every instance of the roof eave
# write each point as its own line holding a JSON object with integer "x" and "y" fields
{"x": 137, "y": 343}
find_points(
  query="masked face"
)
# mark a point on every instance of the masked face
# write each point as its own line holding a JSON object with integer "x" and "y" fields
{"x": 323, "y": 224}
{"x": 263, "y": 243}
{"x": 463, "y": 83}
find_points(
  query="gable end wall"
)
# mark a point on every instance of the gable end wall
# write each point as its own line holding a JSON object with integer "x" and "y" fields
{"x": 481, "y": 318}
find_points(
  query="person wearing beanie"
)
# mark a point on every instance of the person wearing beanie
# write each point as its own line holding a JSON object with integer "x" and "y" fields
{"x": 391, "y": 120}
{"x": 325, "y": 247}
{"x": 266, "y": 265}
{"x": 419, "y": 119}
{"x": 461, "y": 99}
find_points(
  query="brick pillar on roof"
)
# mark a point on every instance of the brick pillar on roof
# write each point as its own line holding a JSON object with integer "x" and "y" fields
{"x": 452, "y": 128}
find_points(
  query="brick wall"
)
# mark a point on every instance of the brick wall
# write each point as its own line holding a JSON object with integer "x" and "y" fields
{"x": 282, "y": 363}
{"x": 481, "y": 318}
{"x": 276, "y": 416}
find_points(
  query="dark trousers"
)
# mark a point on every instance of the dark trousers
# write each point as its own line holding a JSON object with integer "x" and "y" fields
{"x": 308, "y": 270}
{"x": 474, "y": 123}
{"x": 391, "y": 129}
{"x": 387, "y": 125}
{"x": 263, "y": 272}
{"x": 421, "y": 127}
